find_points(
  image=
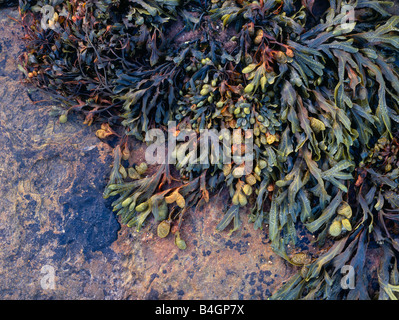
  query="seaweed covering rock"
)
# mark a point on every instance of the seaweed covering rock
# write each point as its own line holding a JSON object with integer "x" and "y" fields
{"x": 311, "y": 87}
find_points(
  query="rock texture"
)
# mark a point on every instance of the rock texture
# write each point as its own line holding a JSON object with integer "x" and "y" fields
{"x": 59, "y": 237}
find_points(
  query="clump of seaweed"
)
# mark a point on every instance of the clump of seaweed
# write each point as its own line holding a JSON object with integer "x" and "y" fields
{"x": 314, "y": 84}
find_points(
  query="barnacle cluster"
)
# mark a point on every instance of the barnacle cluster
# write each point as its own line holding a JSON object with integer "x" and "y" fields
{"x": 314, "y": 84}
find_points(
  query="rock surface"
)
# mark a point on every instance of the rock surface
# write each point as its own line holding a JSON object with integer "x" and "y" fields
{"x": 59, "y": 237}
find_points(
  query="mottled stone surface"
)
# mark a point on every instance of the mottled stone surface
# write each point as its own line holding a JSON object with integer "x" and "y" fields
{"x": 214, "y": 266}
{"x": 51, "y": 179}
{"x": 53, "y": 217}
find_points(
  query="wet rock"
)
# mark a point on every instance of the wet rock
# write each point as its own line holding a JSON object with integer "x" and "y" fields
{"x": 51, "y": 181}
